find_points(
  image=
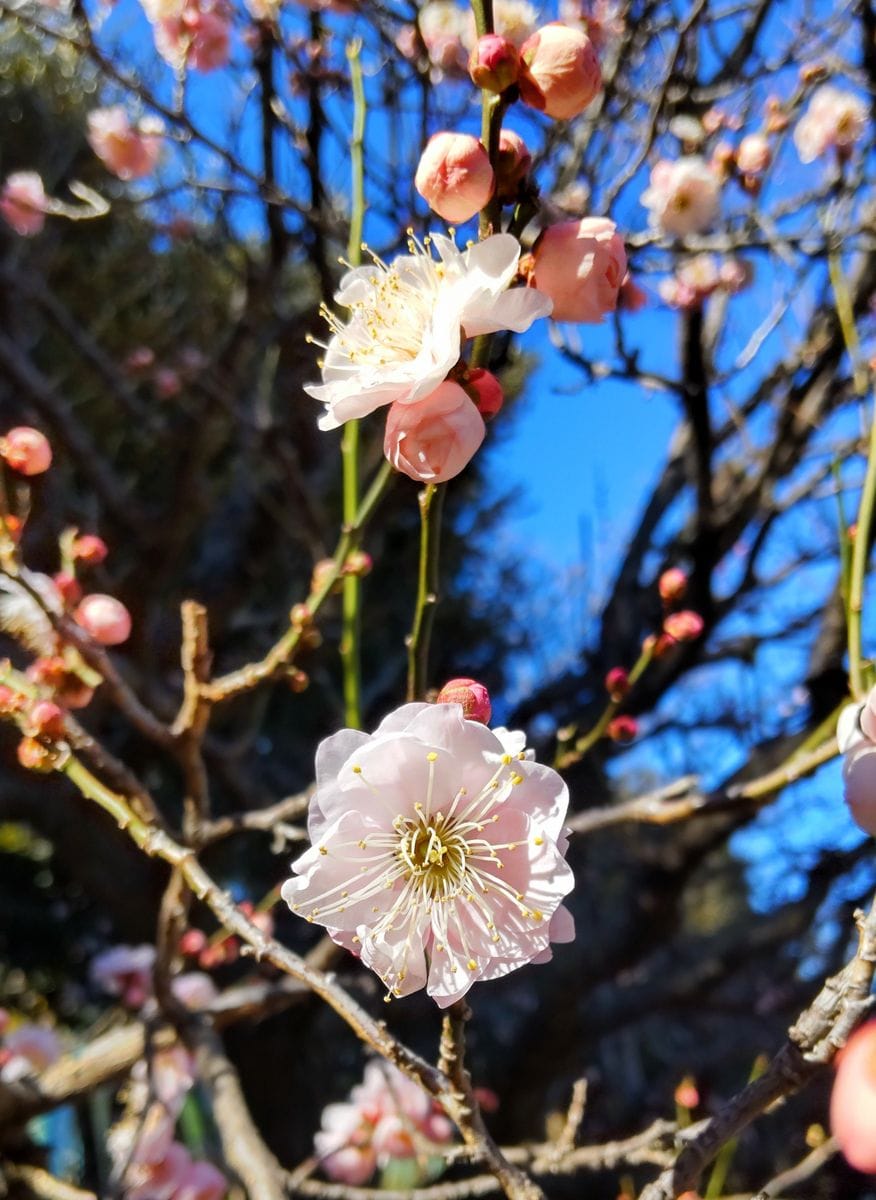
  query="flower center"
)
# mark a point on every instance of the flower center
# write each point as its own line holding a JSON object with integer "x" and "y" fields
{"x": 433, "y": 855}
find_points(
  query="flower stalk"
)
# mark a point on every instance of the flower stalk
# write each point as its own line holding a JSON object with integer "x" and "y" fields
{"x": 431, "y": 502}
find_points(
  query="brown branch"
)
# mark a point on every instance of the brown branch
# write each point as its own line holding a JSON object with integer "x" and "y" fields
{"x": 821, "y": 1030}
{"x": 40, "y": 1184}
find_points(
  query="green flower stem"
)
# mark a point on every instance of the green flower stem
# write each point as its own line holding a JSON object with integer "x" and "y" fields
{"x": 431, "y": 501}
{"x": 860, "y": 555}
{"x": 350, "y": 647}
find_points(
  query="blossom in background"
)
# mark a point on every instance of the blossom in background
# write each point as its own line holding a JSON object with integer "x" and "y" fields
{"x": 437, "y": 852}
{"x": 833, "y": 119}
{"x": 128, "y": 150}
{"x": 695, "y": 280}
{"x": 408, "y": 318}
{"x": 581, "y": 266}
{"x": 126, "y": 972}
{"x": 600, "y": 19}
{"x": 442, "y": 28}
{"x": 191, "y": 33}
{"x": 753, "y": 154}
{"x": 853, "y": 1099}
{"x": 684, "y": 196}
{"x": 435, "y": 438}
{"x": 387, "y": 1117}
{"x": 26, "y": 1050}
{"x": 23, "y": 203}
{"x": 454, "y": 176}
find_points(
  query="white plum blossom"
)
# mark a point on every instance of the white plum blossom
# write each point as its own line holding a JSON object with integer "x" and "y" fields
{"x": 833, "y": 118}
{"x": 409, "y": 318}
{"x": 437, "y": 855}
{"x": 684, "y": 195}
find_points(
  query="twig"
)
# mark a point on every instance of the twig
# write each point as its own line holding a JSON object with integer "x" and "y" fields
{"x": 41, "y": 1184}
{"x": 431, "y": 501}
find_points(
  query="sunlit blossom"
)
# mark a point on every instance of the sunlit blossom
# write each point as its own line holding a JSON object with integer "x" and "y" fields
{"x": 409, "y": 316}
{"x": 437, "y": 852}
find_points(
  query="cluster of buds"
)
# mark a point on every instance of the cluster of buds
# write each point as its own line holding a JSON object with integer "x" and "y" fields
{"x": 679, "y": 625}
{"x": 555, "y": 70}
{"x": 168, "y": 378}
{"x": 747, "y": 162}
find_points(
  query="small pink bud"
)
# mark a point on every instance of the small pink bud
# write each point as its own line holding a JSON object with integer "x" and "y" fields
{"x": 683, "y": 626}
{"x": 68, "y": 587}
{"x": 23, "y": 203}
{"x": 90, "y": 549}
{"x": 672, "y": 585}
{"x": 512, "y": 165}
{"x": 777, "y": 119}
{"x": 559, "y": 71}
{"x": 813, "y": 72}
{"x": 26, "y": 451}
{"x": 11, "y": 526}
{"x": 34, "y": 756}
{"x": 105, "y": 618}
{"x": 622, "y": 729}
{"x": 723, "y": 160}
{"x": 192, "y": 942}
{"x": 358, "y": 563}
{"x": 494, "y": 63}
{"x": 687, "y": 1094}
{"x": 581, "y": 266}
{"x": 486, "y": 391}
{"x": 853, "y": 1100}
{"x": 300, "y": 616}
{"x": 753, "y": 155}
{"x": 473, "y": 696}
{"x": 617, "y": 683}
{"x": 323, "y": 571}
{"x": 454, "y": 176}
{"x": 10, "y": 701}
{"x": 167, "y": 383}
{"x": 47, "y": 720}
{"x": 140, "y": 359}
{"x": 298, "y": 680}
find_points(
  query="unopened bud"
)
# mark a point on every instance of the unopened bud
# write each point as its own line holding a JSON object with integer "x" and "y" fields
{"x": 358, "y": 563}
{"x": 486, "y": 391}
{"x": 90, "y": 549}
{"x": 299, "y": 681}
{"x": 753, "y": 155}
{"x": 26, "y": 450}
{"x": 300, "y": 616}
{"x": 813, "y": 72}
{"x": 513, "y": 163}
{"x": 683, "y": 626}
{"x": 10, "y": 700}
{"x": 494, "y": 63}
{"x": 454, "y": 176}
{"x": 46, "y": 720}
{"x": 473, "y": 696}
{"x": 105, "y": 618}
{"x": 777, "y": 119}
{"x": 323, "y": 572}
{"x": 192, "y": 942}
{"x": 68, "y": 587}
{"x": 686, "y": 1094}
{"x": 11, "y": 526}
{"x": 622, "y": 729}
{"x": 617, "y": 683}
{"x": 723, "y": 160}
{"x": 140, "y": 359}
{"x": 34, "y": 756}
{"x": 672, "y": 585}
{"x": 559, "y": 71}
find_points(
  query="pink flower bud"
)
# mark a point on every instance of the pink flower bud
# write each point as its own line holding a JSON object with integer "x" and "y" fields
{"x": 486, "y": 391}
{"x": 753, "y": 155}
{"x": 494, "y": 63}
{"x": 687, "y": 1094}
{"x": 859, "y": 782}
{"x": 581, "y": 266}
{"x": 777, "y": 119}
{"x": 454, "y": 176}
{"x": 617, "y": 683}
{"x": 473, "y": 696}
{"x": 513, "y": 163}
{"x": 683, "y": 626}
{"x": 672, "y": 585}
{"x": 90, "y": 549}
{"x": 192, "y": 942}
{"x": 26, "y": 450}
{"x": 23, "y": 203}
{"x": 68, "y": 587}
{"x": 853, "y": 1100}
{"x": 167, "y": 383}
{"x": 140, "y": 359}
{"x": 323, "y": 571}
{"x": 358, "y": 563}
{"x": 10, "y": 701}
{"x": 352, "y": 1165}
{"x": 47, "y": 720}
{"x": 33, "y": 755}
{"x": 105, "y": 618}
{"x": 622, "y": 729}
{"x": 432, "y": 439}
{"x": 559, "y": 71}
